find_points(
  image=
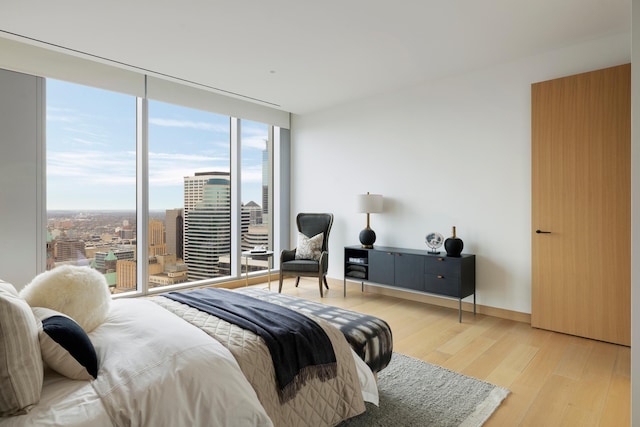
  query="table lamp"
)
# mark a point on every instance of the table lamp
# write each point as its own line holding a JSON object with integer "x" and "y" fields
{"x": 369, "y": 203}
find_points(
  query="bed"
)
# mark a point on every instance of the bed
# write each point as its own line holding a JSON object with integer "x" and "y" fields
{"x": 158, "y": 365}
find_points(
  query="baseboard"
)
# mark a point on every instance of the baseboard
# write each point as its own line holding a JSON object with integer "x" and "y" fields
{"x": 253, "y": 280}
{"x": 412, "y": 296}
{"x": 442, "y": 302}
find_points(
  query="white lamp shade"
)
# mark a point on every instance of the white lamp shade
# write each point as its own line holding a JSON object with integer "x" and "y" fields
{"x": 370, "y": 203}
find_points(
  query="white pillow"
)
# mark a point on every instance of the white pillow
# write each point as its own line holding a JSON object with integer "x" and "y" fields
{"x": 21, "y": 369}
{"x": 65, "y": 347}
{"x": 309, "y": 247}
{"x": 81, "y": 293}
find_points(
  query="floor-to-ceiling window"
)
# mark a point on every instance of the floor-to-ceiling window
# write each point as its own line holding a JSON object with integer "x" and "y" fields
{"x": 256, "y": 191}
{"x": 92, "y": 189}
{"x": 91, "y": 180}
{"x": 189, "y": 194}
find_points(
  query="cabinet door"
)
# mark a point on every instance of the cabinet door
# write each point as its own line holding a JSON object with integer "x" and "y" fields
{"x": 381, "y": 266}
{"x": 409, "y": 271}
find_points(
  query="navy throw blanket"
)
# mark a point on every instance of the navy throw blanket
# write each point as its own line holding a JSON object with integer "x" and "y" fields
{"x": 299, "y": 347}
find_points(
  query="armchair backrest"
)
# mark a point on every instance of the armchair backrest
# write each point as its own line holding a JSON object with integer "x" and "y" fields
{"x": 311, "y": 224}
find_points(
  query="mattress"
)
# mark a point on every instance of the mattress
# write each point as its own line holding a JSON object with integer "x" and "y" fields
{"x": 369, "y": 336}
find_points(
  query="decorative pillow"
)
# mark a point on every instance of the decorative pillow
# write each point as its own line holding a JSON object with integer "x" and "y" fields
{"x": 309, "y": 247}
{"x": 81, "y": 293}
{"x": 65, "y": 347}
{"x": 21, "y": 370}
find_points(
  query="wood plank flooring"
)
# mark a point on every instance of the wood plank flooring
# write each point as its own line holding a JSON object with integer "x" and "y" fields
{"x": 555, "y": 379}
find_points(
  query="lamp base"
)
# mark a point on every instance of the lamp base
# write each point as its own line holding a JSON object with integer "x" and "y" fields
{"x": 367, "y": 238}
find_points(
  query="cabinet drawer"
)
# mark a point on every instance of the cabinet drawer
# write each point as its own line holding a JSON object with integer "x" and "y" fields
{"x": 442, "y": 265}
{"x": 442, "y": 284}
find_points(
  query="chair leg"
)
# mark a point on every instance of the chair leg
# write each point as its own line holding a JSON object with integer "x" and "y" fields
{"x": 297, "y": 281}
{"x": 280, "y": 287}
{"x": 325, "y": 282}
{"x": 320, "y": 285}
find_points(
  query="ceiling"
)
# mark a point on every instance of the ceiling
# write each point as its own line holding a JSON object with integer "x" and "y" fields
{"x": 302, "y": 56}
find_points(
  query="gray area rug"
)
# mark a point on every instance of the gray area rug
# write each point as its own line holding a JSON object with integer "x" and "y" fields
{"x": 416, "y": 393}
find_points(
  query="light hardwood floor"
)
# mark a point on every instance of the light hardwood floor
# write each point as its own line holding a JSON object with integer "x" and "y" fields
{"x": 555, "y": 379}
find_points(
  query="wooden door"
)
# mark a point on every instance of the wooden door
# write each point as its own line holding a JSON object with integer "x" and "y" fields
{"x": 581, "y": 194}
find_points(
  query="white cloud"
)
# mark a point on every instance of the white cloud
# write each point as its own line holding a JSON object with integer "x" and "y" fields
{"x": 169, "y": 169}
{"x": 179, "y": 157}
{"x": 257, "y": 142}
{"x": 188, "y": 124}
{"x": 253, "y": 174}
{"x": 93, "y": 167}
{"x": 254, "y": 136}
{"x": 87, "y": 142}
{"x": 65, "y": 115}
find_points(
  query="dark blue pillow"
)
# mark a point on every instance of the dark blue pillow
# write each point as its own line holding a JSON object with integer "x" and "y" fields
{"x": 65, "y": 346}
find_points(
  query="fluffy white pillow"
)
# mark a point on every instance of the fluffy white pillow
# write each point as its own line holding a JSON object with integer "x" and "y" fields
{"x": 309, "y": 247}
{"x": 65, "y": 347}
{"x": 21, "y": 370}
{"x": 81, "y": 293}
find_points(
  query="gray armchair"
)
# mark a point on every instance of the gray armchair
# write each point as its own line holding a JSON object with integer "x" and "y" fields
{"x": 309, "y": 224}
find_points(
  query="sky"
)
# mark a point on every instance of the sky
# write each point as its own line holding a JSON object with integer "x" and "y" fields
{"x": 91, "y": 150}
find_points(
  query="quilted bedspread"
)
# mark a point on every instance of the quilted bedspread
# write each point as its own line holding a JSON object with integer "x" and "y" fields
{"x": 316, "y": 404}
{"x": 369, "y": 336}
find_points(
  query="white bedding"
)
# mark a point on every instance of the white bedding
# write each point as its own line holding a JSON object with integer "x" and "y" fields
{"x": 156, "y": 370}
{"x": 63, "y": 402}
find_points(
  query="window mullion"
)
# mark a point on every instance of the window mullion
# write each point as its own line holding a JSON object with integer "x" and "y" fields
{"x": 142, "y": 193}
{"x": 236, "y": 223}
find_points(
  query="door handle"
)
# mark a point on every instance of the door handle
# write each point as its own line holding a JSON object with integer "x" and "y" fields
{"x": 542, "y": 232}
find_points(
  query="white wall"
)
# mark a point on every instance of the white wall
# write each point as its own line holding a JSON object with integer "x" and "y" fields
{"x": 451, "y": 152}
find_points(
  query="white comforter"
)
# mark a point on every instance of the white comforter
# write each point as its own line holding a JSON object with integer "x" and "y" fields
{"x": 183, "y": 379}
{"x": 156, "y": 370}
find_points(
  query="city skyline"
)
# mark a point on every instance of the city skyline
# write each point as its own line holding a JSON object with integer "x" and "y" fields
{"x": 91, "y": 150}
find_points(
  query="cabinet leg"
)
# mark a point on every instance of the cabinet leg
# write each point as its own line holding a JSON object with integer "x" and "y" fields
{"x": 459, "y": 310}
{"x": 474, "y": 303}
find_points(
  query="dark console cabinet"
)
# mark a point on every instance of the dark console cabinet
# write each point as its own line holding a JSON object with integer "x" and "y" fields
{"x": 413, "y": 270}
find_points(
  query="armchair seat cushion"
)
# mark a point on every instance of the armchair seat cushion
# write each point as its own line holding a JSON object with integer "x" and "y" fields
{"x": 300, "y": 266}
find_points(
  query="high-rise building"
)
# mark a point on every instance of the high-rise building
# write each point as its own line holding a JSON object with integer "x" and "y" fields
{"x": 126, "y": 276}
{"x": 251, "y": 214}
{"x": 256, "y": 235}
{"x": 167, "y": 271}
{"x": 207, "y": 223}
{"x": 66, "y": 249}
{"x": 157, "y": 245}
{"x": 50, "y": 252}
{"x": 253, "y": 232}
{"x": 174, "y": 235}
{"x": 106, "y": 260}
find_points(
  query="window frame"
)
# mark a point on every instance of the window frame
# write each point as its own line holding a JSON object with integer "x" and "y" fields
{"x": 278, "y": 228}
